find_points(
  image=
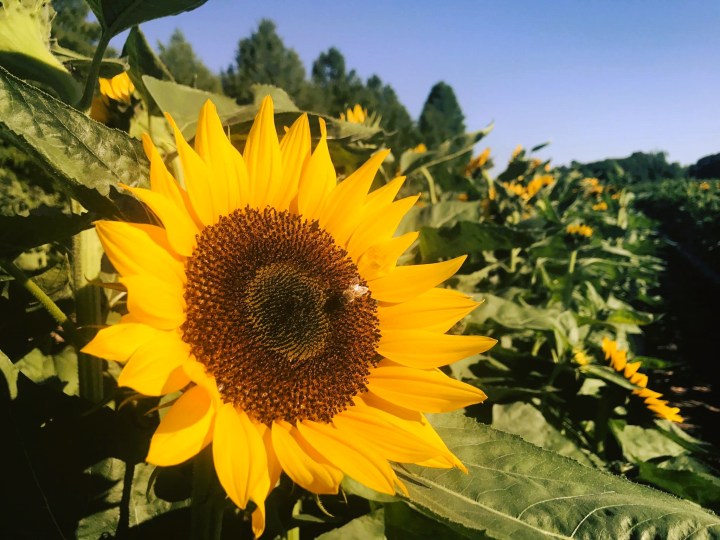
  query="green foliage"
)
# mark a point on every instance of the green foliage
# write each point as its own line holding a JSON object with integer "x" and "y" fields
{"x": 71, "y": 27}
{"x": 263, "y": 59}
{"x": 84, "y": 158}
{"x": 441, "y": 118}
{"x": 185, "y": 66}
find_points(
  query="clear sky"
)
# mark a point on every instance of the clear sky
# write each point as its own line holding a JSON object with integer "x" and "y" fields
{"x": 596, "y": 78}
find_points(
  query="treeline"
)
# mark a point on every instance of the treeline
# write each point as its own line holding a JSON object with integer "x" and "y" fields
{"x": 641, "y": 167}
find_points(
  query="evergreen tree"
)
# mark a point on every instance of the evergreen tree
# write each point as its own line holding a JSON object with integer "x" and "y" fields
{"x": 71, "y": 27}
{"x": 263, "y": 58}
{"x": 185, "y": 66}
{"x": 382, "y": 99}
{"x": 441, "y": 117}
{"x": 333, "y": 88}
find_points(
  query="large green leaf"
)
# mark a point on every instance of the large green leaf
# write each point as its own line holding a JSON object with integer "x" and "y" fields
{"x": 85, "y": 158}
{"x": 516, "y": 490}
{"x": 143, "y": 61}
{"x": 365, "y": 527}
{"x": 640, "y": 444}
{"x": 115, "y": 16}
{"x": 685, "y": 477}
{"x": 183, "y": 103}
{"x": 513, "y": 315}
{"x": 470, "y": 238}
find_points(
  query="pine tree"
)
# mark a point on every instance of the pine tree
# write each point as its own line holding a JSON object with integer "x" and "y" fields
{"x": 263, "y": 58}
{"x": 395, "y": 119}
{"x": 71, "y": 27}
{"x": 441, "y": 117}
{"x": 185, "y": 66}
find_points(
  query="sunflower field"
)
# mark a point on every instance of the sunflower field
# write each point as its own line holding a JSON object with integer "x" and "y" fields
{"x": 224, "y": 320}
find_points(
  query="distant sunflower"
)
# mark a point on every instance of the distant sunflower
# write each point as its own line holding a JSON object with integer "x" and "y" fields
{"x": 272, "y": 299}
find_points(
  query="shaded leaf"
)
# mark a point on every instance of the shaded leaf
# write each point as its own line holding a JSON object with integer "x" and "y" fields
{"x": 43, "y": 225}
{"x": 143, "y": 61}
{"x": 115, "y": 16}
{"x": 685, "y": 477}
{"x": 516, "y": 490}
{"x": 402, "y": 522}
{"x": 370, "y": 526}
{"x": 640, "y": 444}
{"x": 513, "y": 315}
{"x": 470, "y": 238}
{"x": 10, "y": 372}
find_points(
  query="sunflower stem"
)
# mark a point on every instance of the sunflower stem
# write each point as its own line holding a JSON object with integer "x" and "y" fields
{"x": 93, "y": 72}
{"x": 87, "y": 253}
{"x": 207, "y": 506}
{"x": 51, "y": 307}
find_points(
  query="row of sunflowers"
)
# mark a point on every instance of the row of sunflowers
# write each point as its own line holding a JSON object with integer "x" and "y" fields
{"x": 253, "y": 320}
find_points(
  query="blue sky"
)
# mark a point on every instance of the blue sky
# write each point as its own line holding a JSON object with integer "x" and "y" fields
{"x": 595, "y": 78}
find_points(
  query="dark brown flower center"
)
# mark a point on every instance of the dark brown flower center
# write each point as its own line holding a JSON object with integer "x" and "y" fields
{"x": 278, "y": 313}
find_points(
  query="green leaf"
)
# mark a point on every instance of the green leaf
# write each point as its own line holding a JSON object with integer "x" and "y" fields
{"x": 403, "y": 522}
{"x": 470, "y": 238}
{"x": 58, "y": 370}
{"x": 370, "y": 526}
{"x": 447, "y": 151}
{"x": 143, "y": 61}
{"x": 441, "y": 214}
{"x": 115, "y": 16}
{"x": 183, "y": 103}
{"x": 515, "y": 490}
{"x": 513, "y": 315}
{"x": 639, "y": 444}
{"x": 685, "y": 477}
{"x": 281, "y": 100}
{"x": 43, "y": 225}
{"x": 628, "y": 316}
{"x": 80, "y": 64}
{"x": 525, "y": 420}
{"x": 84, "y": 158}
{"x": 606, "y": 373}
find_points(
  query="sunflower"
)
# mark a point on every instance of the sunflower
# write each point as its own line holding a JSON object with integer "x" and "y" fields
{"x": 272, "y": 300}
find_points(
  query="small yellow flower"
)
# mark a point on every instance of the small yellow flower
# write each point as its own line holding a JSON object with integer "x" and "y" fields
{"x": 580, "y": 357}
{"x": 492, "y": 193}
{"x": 704, "y": 186}
{"x": 462, "y": 197}
{"x": 477, "y": 162}
{"x": 119, "y": 88}
{"x": 579, "y": 230}
{"x": 356, "y": 115}
{"x": 516, "y": 152}
{"x": 271, "y": 298}
{"x": 419, "y": 149}
{"x": 600, "y": 207}
{"x": 618, "y": 361}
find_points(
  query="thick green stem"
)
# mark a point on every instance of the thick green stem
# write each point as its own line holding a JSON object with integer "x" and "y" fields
{"x": 51, "y": 307}
{"x": 207, "y": 501}
{"x": 93, "y": 71}
{"x": 88, "y": 310}
{"x": 573, "y": 260}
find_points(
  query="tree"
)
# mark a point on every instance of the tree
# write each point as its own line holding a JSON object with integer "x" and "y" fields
{"x": 185, "y": 66}
{"x": 263, "y": 58}
{"x": 382, "y": 99}
{"x": 441, "y": 117}
{"x": 71, "y": 27}
{"x": 333, "y": 88}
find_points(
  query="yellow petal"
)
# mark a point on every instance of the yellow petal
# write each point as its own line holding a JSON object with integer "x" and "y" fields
{"x": 425, "y": 349}
{"x": 389, "y": 438}
{"x": 295, "y": 151}
{"x": 630, "y": 369}
{"x": 199, "y": 375}
{"x": 343, "y": 211}
{"x": 382, "y": 196}
{"x": 317, "y": 181}
{"x": 263, "y": 160}
{"x": 382, "y": 228}
{"x": 213, "y": 146}
{"x": 274, "y": 472}
{"x": 639, "y": 379}
{"x": 184, "y": 430}
{"x": 180, "y": 228}
{"x": 155, "y": 302}
{"x": 437, "y": 310}
{"x": 381, "y": 259}
{"x": 119, "y": 341}
{"x": 350, "y": 456}
{"x": 407, "y": 282}
{"x": 423, "y": 390}
{"x": 155, "y": 368}
{"x": 196, "y": 176}
{"x": 302, "y": 463}
{"x": 139, "y": 250}
{"x": 239, "y": 456}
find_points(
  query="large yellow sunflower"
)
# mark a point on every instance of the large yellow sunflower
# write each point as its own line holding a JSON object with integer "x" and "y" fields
{"x": 271, "y": 298}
